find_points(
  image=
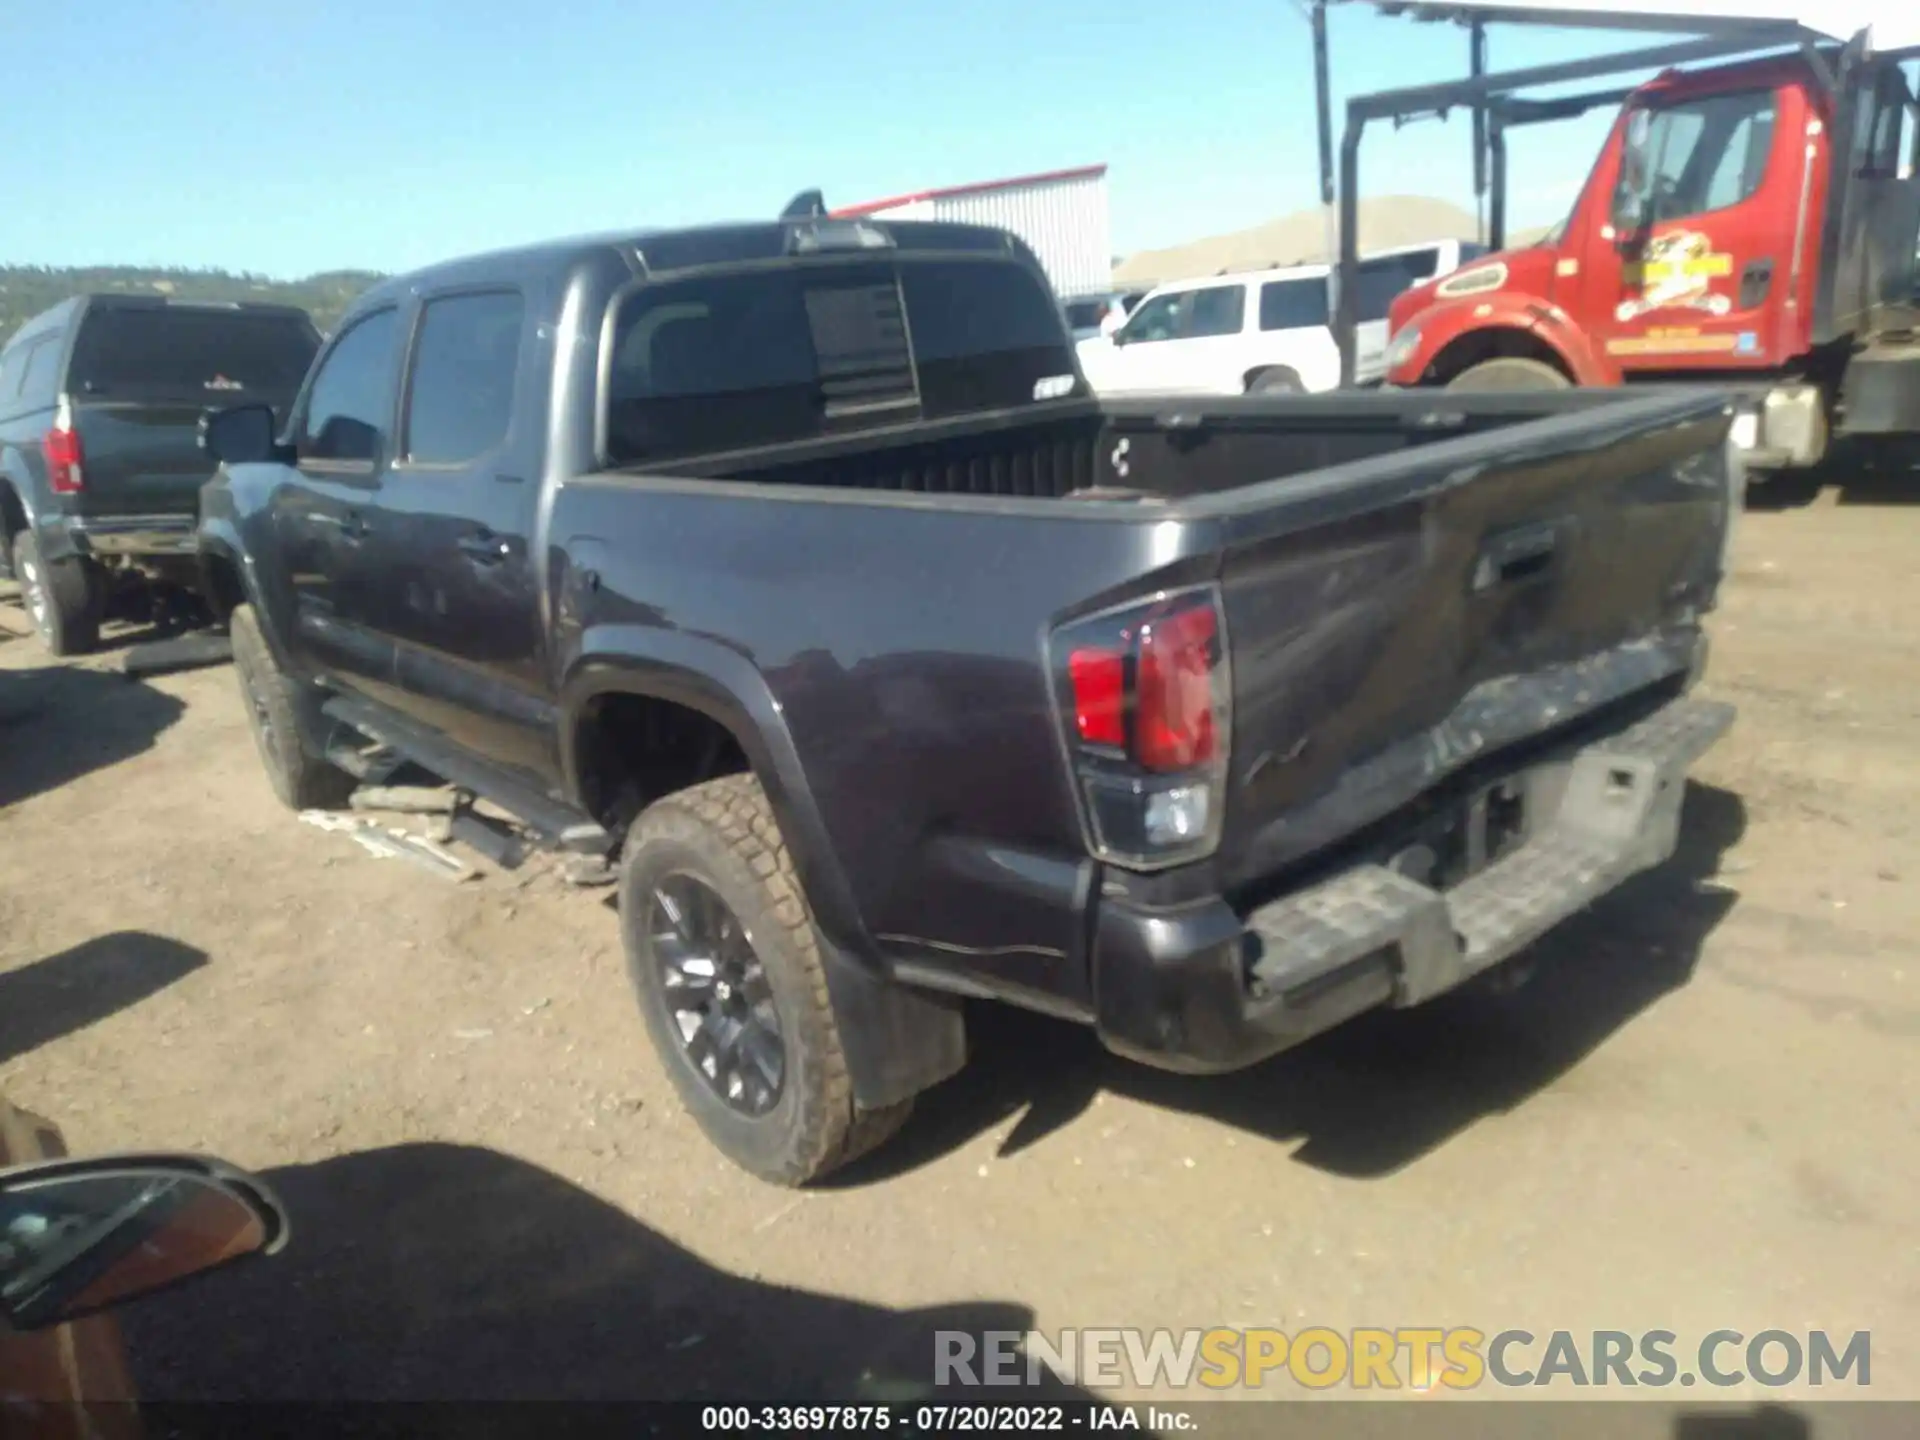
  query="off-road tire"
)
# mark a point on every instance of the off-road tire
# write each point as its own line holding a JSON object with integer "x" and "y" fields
{"x": 273, "y": 704}
{"x": 723, "y": 833}
{"x": 1510, "y": 372}
{"x": 66, "y": 601}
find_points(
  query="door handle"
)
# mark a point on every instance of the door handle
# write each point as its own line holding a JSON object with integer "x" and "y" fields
{"x": 483, "y": 547}
{"x": 1516, "y": 556}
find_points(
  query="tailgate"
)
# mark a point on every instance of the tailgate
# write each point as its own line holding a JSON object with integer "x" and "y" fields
{"x": 140, "y": 459}
{"x": 1395, "y": 620}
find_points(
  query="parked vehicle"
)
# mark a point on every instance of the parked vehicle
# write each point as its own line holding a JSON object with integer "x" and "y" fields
{"x": 1259, "y": 331}
{"x": 100, "y": 463}
{"x": 1090, "y": 315}
{"x": 794, "y": 565}
{"x": 1754, "y": 225}
{"x": 81, "y": 1237}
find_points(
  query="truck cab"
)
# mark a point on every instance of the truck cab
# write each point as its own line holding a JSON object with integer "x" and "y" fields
{"x": 1754, "y": 223}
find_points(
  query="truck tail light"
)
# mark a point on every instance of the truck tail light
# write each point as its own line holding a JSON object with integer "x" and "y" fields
{"x": 1145, "y": 689}
{"x": 1174, "y": 729}
{"x": 66, "y": 474}
{"x": 1099, "y": 695}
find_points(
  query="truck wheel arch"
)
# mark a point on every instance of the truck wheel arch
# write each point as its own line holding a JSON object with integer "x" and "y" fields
{"x": 898, "y": 1040}
{"x": 1504, "y": 342}
{"x": 227, "y": 579}
{"x": 1461, "y": 338}
{"x": 1273, "y": 379}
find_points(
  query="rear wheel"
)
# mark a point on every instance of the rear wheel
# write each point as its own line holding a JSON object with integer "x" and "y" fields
{"x": 66, "y": 600}
{"x": 726, "y": 963}
{"x": 1278, "y": 380}
{"x": 1510, "y": 372}
{"x": 273, "y": 704}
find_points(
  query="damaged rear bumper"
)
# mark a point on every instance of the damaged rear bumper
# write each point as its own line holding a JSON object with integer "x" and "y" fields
{"x": 1203, "y": 989}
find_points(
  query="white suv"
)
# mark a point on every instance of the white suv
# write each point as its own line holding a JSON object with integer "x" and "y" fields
{"x": 1259, "y": 330}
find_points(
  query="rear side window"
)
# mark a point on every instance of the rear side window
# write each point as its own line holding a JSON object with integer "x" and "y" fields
{"x": 222, "y": 356}
{"x": 767, "y": 357}
{"x": 40, "y": 373}
{"x": 352, "y": 396}
{"x": 460, "y": 398}
{"x": 1293, "y": 304}
{"x": 1217, "y": 310}
{"x": 12, "y": 363}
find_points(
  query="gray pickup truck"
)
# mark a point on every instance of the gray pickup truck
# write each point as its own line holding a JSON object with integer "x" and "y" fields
{"x": 101, "y": 466}
{"x": 793, "y": 568}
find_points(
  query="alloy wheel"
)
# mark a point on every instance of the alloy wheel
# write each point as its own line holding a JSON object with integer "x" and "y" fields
{"x": 716, "y": 993}
{"x": 34, "y": 592}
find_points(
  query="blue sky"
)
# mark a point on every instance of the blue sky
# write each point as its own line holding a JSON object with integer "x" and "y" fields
{"x": 290, "y": 137}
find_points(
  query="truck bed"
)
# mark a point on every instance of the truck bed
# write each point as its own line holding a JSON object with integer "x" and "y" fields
{"x": 1175, "y": 446}
{"x": 1413, "y": 584}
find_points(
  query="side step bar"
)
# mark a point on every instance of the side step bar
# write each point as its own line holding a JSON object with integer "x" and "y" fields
{"x": 556, "y": 822}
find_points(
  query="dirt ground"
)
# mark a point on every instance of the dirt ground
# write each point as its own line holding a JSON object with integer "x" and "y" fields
{"x": 1700, "y": 1114}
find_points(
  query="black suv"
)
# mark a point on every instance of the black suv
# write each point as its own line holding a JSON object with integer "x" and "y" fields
{"x": 100, "y": 463}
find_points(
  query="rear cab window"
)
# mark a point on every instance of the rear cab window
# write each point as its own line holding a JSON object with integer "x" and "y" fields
{"x": 764, "y": 357}
{"x": 221, "y": 357}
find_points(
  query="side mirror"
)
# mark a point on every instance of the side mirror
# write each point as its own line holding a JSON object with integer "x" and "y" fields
{"x": 80, "y": 1236}
{"x": 242, "y": 435}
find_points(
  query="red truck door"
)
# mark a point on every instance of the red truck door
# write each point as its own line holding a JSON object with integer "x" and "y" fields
{"x": 1690, "y": 265}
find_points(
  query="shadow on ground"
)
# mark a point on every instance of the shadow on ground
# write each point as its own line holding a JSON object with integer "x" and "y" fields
{"x": 1374, "y": 1095}
{"x": 1762, "y": 1422}
{"x": 61, "y": 722}
{"x": 63, "y": 993}
{"x": 1851, "y": 478}
{"x": 431, "y": 1271}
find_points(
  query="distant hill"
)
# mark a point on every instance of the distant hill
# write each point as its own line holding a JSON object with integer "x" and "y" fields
{"x": 1300, "y": 239}
{"x": 26, "y": 290}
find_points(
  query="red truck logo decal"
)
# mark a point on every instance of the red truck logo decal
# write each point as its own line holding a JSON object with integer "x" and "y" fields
{"x": 1675, "y": 275}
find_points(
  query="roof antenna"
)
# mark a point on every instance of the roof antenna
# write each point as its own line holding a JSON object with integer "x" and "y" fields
{"x": 807, "y": 205}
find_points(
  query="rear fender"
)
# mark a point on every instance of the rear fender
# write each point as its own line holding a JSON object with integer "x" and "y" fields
{"x": 16, "y": 479}
{"x": 898, "y": 1040}
{"x": 1543, "y": 322}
